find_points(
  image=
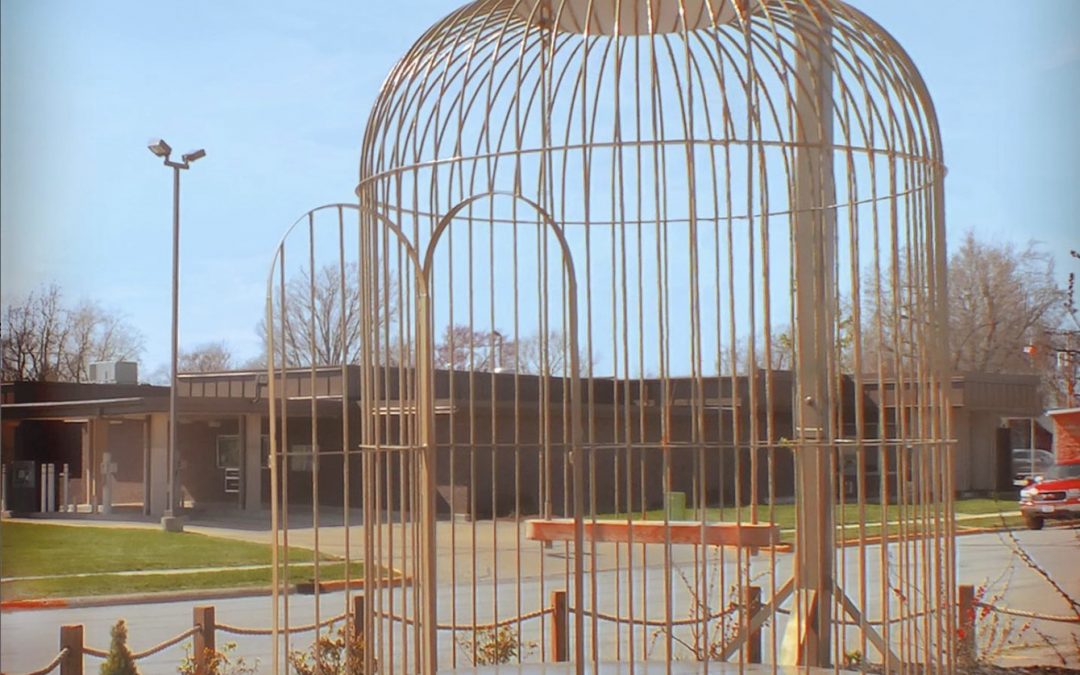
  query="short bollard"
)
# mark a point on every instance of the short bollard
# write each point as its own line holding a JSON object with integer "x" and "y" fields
{"x": 751, "y": 602}
{"x": 71, "y": 639}
{"x": 65, "y": 489}
{"x": 205, "y": 644}
{"x": 560, "y": 638}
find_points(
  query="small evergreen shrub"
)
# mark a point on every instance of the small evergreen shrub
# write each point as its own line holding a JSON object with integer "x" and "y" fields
{"x": 120, "y": 660}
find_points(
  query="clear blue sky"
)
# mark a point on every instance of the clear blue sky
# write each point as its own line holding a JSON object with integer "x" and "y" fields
{"x": 278, "y": 94}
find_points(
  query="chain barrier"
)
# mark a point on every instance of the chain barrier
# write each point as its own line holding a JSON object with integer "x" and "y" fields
{"x": 52, "y": 664}
{"x": 879, "y": 622}
{"x": 497, "y": 624}
{"x": 167, "y": 643}
{"x": 161, "y": 646}
{"x": 242, "y": 630}
{"x": 657, "y": 623}
{"x": 305, "y": 628}
{"x": 458, "y": 628}
{"x": 1025, "y": 614}
{"x": 390, "y": 616}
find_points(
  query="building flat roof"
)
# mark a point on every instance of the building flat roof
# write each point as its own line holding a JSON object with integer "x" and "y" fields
{"x": 1063, "y": 411}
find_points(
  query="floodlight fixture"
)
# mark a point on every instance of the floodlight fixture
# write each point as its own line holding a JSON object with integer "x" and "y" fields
{"x": 193, "y": 155}
{"x": 160, "y": 148}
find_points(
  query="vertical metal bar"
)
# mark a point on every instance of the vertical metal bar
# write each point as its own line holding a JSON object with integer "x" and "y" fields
{"x": 425, "y": 401}
{"x": 283, "y": 446}
{"x": 346, "y": 442}
{"x": 275, "y": 663}
{"x": 369, "y": 478}
{"x": 314, "y": 422}
{"x": 814, "y": 256}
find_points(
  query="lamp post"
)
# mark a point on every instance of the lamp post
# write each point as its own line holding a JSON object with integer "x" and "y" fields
{"x": 162, "y": 149}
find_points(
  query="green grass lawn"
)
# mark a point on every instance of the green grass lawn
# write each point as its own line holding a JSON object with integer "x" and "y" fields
{"x": 104, "y": 584}
{"x": 37, "y": 549}
{"x": 988, "y": 506}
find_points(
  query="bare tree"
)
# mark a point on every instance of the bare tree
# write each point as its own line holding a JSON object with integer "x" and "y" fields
{"x": 464, "y": 348}
{"x": 34, "y": 336}
{"x": 550, "y": 355}
{"x": 44, "y": 340}
{"x": 21, "y": 339}
{"x": 781, "y": 353}
{"x": 1057, "y": 352}
{"x": 211, "y": 357}
{"x": 1000, "y": 300}
{"x": 314, "y": 324}
{"x": 94, "y": 334}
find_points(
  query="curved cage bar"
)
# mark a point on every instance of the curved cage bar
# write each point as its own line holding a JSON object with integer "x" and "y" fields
{"x": 635, "y": 345}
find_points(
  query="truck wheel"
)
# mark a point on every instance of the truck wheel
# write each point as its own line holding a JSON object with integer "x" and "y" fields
{"x": 1033, "y": 522}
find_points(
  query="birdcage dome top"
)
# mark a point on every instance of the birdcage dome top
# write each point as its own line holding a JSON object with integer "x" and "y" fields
{"x": 625, "y": 17}
{"x": 502, "y": 82}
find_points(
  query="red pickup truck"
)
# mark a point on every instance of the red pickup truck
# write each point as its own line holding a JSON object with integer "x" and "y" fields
{"x": 1056, "y": 494}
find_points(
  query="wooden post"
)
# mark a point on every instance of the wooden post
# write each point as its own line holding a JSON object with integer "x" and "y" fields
{"x": 966, "y": 623}
{"x": 358, "y": 616}
{"x": 560, "y": 642}
{"x": 360, "y": 633}
{"x": 204, "y": 638}
{"x": 751, "y": 602}
{"x": 71, "y": 638}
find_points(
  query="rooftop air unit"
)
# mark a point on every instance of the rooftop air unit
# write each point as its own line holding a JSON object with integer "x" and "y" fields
{"x": 114, "y": 372}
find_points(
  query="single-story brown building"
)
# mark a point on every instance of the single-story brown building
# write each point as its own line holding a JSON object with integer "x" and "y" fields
{"x": 500, "y": 436}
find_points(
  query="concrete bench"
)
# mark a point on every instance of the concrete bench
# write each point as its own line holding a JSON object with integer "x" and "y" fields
{"x": 656, "y": 532}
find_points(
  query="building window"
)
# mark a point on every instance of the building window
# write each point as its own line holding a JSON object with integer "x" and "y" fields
{"x": 228, "y": 451}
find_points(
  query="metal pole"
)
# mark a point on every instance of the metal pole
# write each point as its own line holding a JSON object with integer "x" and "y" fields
{"x": 1070, "y": 369}
{"x": 172, "y": 503}
{"x": 814, "y": 241}
{"x": 161, "y": 149}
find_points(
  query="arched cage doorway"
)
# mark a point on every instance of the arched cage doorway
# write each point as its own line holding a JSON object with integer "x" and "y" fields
{"x": 631, "y": 349}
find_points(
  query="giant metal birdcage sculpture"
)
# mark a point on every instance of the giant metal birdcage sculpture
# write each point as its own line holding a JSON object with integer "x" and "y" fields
{"x": 631, "y": 348}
